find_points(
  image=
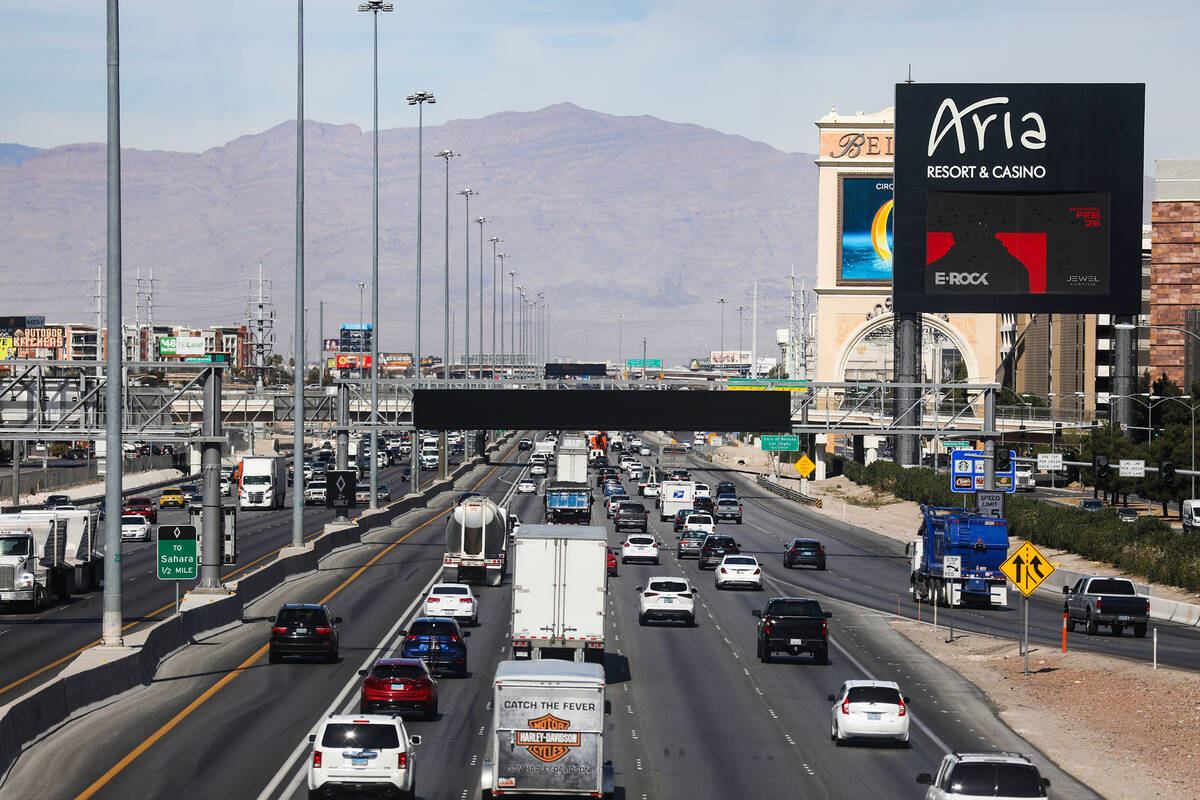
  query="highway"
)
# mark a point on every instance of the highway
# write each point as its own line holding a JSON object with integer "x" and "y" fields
{"x": 693, "y": 713}
{"x": 37, "y": 647}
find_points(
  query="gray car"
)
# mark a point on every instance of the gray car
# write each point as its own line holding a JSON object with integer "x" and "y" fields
{"x": 690, "y": 543}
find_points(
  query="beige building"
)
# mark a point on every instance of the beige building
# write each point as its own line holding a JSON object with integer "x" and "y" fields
{"x": 854, "y": 287}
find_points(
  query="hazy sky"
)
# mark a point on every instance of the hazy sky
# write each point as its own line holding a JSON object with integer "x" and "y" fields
{"x": 197, "y": 74}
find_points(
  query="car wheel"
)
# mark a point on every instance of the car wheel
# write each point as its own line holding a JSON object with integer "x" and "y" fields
{"x": 691, "y": 621}
{"x": 1090, "y": 625}
{"x": 764, "y": 654}
{"x": 272, "y": 656}
{"x": 314, "y": 794}
{"x": 431, "y": 711}
{"x": 332, "y": 657}
{"x": 656, "y": 561}
{"x": 1139, "y": 630}
{"x": 833, "y": 732}
{"x": 641, "y": 619}
{"x": 461, "y": 672}
{"x": 821, "y": 656}
{"x": 739, "y": 521}
{"x": 837, "y": 737}
{"x": 822, "y": 567}
{"x": 623, "y": 561}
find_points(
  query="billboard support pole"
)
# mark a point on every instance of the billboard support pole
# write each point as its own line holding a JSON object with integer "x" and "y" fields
{"x": 1124, "y": 377}
{"x": 343, "y": 437}
{"x": 907, "y": 352}
{"x": 989, "y": 446}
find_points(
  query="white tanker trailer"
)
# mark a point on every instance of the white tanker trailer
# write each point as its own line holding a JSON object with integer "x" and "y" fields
{"x": 476, "y": 542}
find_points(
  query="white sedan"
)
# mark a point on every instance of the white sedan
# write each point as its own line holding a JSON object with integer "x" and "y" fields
{"x": 452, "y": 600}
{"x": 869, "y": 710}
{"x": 135, "y": 527}
{"x": 643, "y": 451}
{"x": 739, "y": 571}
{"x": 667, "y": 598}
{"x": 639, "y": 547}
{"x": 527, "y": 486}
{"x": 538, "y": 469}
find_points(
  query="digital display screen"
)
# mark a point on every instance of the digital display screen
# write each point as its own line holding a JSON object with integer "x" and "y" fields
{"x": 1017, "y": 243}
{"x": 865, "y": 252}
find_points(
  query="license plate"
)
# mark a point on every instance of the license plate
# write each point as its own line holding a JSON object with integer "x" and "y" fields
{"x": 874, "y": 716}
{"x": 358, "y": 762}
{"x": 795, "y": 641}
{"x": 1123, "y": 619}
{"x": 301, "y": 630}
{"x": 397, "y": 687}
{"x": 668, "y": 600}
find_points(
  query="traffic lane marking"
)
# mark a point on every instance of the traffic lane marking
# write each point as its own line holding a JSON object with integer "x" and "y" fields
{"x": 129, "y": 758}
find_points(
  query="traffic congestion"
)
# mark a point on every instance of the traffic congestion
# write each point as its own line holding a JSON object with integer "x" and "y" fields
{"x": 481, "y": 647}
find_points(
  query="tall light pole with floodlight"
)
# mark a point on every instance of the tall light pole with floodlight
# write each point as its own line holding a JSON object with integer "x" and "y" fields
{"x": 481, "y": 221}
{"x": 466, "y": 193}
{"x": 495, "y": 240}
{"x": 447, "y": 155}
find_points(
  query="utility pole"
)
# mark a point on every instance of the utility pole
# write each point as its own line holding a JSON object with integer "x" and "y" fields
{"x": 802, "y": 368}
{"x": 722, "y": 302}
{"x": 791, "y": 343}
{"x": 481, "y": 221}
{"x": 754, "y": 335}
{"x": 495, "y": 240}
{"x": 298, "y": 370}
{"x": 99, "y": 321}
{"x": 466, "y": 193}
{"x": 321, "y": 344}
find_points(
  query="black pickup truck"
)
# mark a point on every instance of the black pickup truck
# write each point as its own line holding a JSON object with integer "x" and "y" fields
{"x": 1098, "y": 600}
{"x": 793, "y": 625}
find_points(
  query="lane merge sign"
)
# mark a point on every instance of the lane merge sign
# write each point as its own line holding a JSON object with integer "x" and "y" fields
{"x": 178, "y": 553}
{"x": 1027, "y": 568}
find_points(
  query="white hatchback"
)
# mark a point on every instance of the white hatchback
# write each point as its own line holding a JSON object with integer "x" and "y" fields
{"x": 639, "y": 547}
{"x": 869, "y": 710}
{"x": 452, "y": 600}
{"x": 360, "y": 752}
{"x": 134, "y": 527}
{"x": 538, "y": 469}
{"x": 669, "y": 598}
{"x": 527, "y": 486}
{"x": 739, "y": 571}
{"x": 650, "y": 489}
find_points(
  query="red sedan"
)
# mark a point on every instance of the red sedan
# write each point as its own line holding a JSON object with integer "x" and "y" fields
{"x": 143, "y": 506}
{"x": 399, "y": 684}
{"x": 612, "y": 562}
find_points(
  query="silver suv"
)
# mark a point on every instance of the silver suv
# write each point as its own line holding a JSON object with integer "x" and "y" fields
{"x": 997, "y": 775}
{"x": 360, "y": 754}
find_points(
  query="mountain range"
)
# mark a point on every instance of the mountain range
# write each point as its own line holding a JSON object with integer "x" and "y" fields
{"x": 650, "y": 220}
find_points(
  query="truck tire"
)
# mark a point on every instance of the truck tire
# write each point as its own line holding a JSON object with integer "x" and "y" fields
{"x": 821, "y": 656}
{"x": 764, "y": 654}
{"x": 1090, "y": 625}
{"x": 1139, "y": 630}
{"x": 1117, "y": 630}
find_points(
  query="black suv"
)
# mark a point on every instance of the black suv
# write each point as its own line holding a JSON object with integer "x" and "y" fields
{"x": 632, "y": 515}
{"x": 724, "y": 487}
{"x": 525, "y": 444}
{"x": 716, "y": 548}
{"x": 303, "y": 629}
{"x": 606, "y": 472}
{"x": 804, "y": 552}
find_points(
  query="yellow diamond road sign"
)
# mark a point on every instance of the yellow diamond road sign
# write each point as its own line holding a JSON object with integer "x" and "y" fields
{"x": 1027, "y": 568}
{"x": 805, "y": 466}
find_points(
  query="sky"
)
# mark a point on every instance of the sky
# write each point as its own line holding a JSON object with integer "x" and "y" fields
{"x": 196, "y": 75}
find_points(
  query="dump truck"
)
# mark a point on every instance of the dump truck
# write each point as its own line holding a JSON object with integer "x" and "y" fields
{"x": 568, "y": 503}
{"x": 980, "y": 542}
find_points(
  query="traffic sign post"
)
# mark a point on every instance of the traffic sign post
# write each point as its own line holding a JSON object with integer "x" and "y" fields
{"x": 951, "y": 568}
{"x": 340, "y": 489}
{"x": 1131, "y": 468}
{"x": 643, "y": 363}
{"x": 990, "y": 504}
{"x": 177, "y": 557}
{"x": 779, "y": 443}
{"x": 805, "y": 466}
{"x": 1026, "y": 569}
{"x": 967, "y": 472}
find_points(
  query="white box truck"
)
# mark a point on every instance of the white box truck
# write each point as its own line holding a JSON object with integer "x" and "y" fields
{"x": 571, "y": 465}
{"x": 547, "y": 732}
{"x": 675, "y": 496}
{"x": 262, "y": 482}
{"x": 560, "y": 579}
{"x": 84, "y": 551}
{"x": 545, "y": 448}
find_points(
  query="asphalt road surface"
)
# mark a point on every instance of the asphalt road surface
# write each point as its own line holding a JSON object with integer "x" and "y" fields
{"x": 693, "y": 713}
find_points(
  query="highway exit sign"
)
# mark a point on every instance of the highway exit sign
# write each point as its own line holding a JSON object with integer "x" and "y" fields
{"x": 643, "y": 363}
{"x": 177, "y": 559}
{"x": 779, "y": 443}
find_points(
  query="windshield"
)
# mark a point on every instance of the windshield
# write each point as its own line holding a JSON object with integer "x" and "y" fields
{"x": 745, "y": 561}
{"x": 133, "y": 519}
{"x": 668, "y": 586}
{"x": 366, "y": 737}
{"x": 14, "y": 546}
{"x": 793, "y": 608}
{"x": 996, "y": 780}
{"x": 393, "y": 671}
{"x": 1111, "y": 586}
{"x": 302, "y": 616}
{"x": 873, "y": 694}
{"x": 430, "y": 627}
{"x": 255, "y": 480}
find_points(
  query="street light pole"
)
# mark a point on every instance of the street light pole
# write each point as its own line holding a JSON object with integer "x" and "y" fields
{"x": 495, "y": 240}
{"x": 722, "y": 302}
{"x": 481, "y": 222}
{"x": 620, "y": 360}
{"x": 446, "y": 155}
{"x": 466, "y": 193}
{"x": 512, "y": 320}
{"x": 740, "y": 310}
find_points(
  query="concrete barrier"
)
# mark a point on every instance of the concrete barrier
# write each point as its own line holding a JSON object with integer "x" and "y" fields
{"x": 100, "y": 674}
{"x": 1160, "y": 608}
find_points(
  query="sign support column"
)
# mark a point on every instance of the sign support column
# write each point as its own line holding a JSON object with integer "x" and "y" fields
{"x": 343, "y": 436}
{"x": 210, "y": 485}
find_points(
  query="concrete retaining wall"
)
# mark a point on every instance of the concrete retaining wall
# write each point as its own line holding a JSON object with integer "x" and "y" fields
{"x": 99, "y": 674}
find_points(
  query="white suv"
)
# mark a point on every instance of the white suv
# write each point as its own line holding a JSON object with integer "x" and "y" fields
{"x": 667, "y": 598}
{"x": 996, "y": 775}
{"x": 453, "y": 600}
{"x": 869, "y": 710}
{"x": 639, "y": 547}
{"x": 360, "y": 753}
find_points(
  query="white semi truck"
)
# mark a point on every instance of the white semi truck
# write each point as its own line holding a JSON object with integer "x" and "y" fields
{"x": 476, "y": 542}
{"x": 560, "y": 576}
{"x": 547, "y": 732}
{"x": 49, "y": 554}
{"x": 262, "y": 482}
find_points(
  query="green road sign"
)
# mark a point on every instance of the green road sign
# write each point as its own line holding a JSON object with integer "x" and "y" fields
{"x": 646, "y": 363}
{"x": 178, "y": 559}
{"x": 779, "y": 443}
{"x": 955, "y": 445}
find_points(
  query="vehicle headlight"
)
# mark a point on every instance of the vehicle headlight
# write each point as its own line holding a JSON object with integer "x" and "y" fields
{"x": 25, "y": 580}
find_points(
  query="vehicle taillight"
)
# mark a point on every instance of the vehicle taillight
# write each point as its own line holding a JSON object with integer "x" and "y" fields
{"x": 625, "y": 544}
{"x": 316, "y": 758}
{"x": 846, "y": 705}
{"x": 279, "y": 629}
{"x": 824, "y": 628}
{"x": 821, "y": 550}
{"x": 464, "y": 600}
{"x": 901, "y": 702}
{"x": 767, "y": 628}
{"x": 323, "y": 630}
{"x": 656, "y": 545}
{"x": 649, "y": 594}
{"x": 1147, "y": 607}
{"x": 685, "y": 594}
{"x": 402, "y": 760}
{"x": 724, "y": 571}
{"x": 433, "y": 599}
{"x": 757, "y": 571}
{"x": 455, "y": 638}
{"x": 1098, "y": 599}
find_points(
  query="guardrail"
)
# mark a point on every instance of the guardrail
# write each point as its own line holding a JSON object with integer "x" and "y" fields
{"x": 782, "y": 491}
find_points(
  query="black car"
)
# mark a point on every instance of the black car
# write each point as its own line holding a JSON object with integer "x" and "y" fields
{"x": 525, "y": 444}
{"x": 716, "y": 548}
{"x": 704, "y": 504}
{"x": 304, "y": 629}
{"x": 724, "y": 487}
{"x": 55, "y": 500}
{"x": 631, "y": 515}
{"x": 804, "y": 552}
{"x": 606, "y": 472}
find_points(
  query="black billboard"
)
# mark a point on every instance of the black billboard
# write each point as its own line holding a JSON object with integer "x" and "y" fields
{"x": 595, "y": 370}
{"x": 1018, "y": 198}
{"x": 626, "y": 409}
